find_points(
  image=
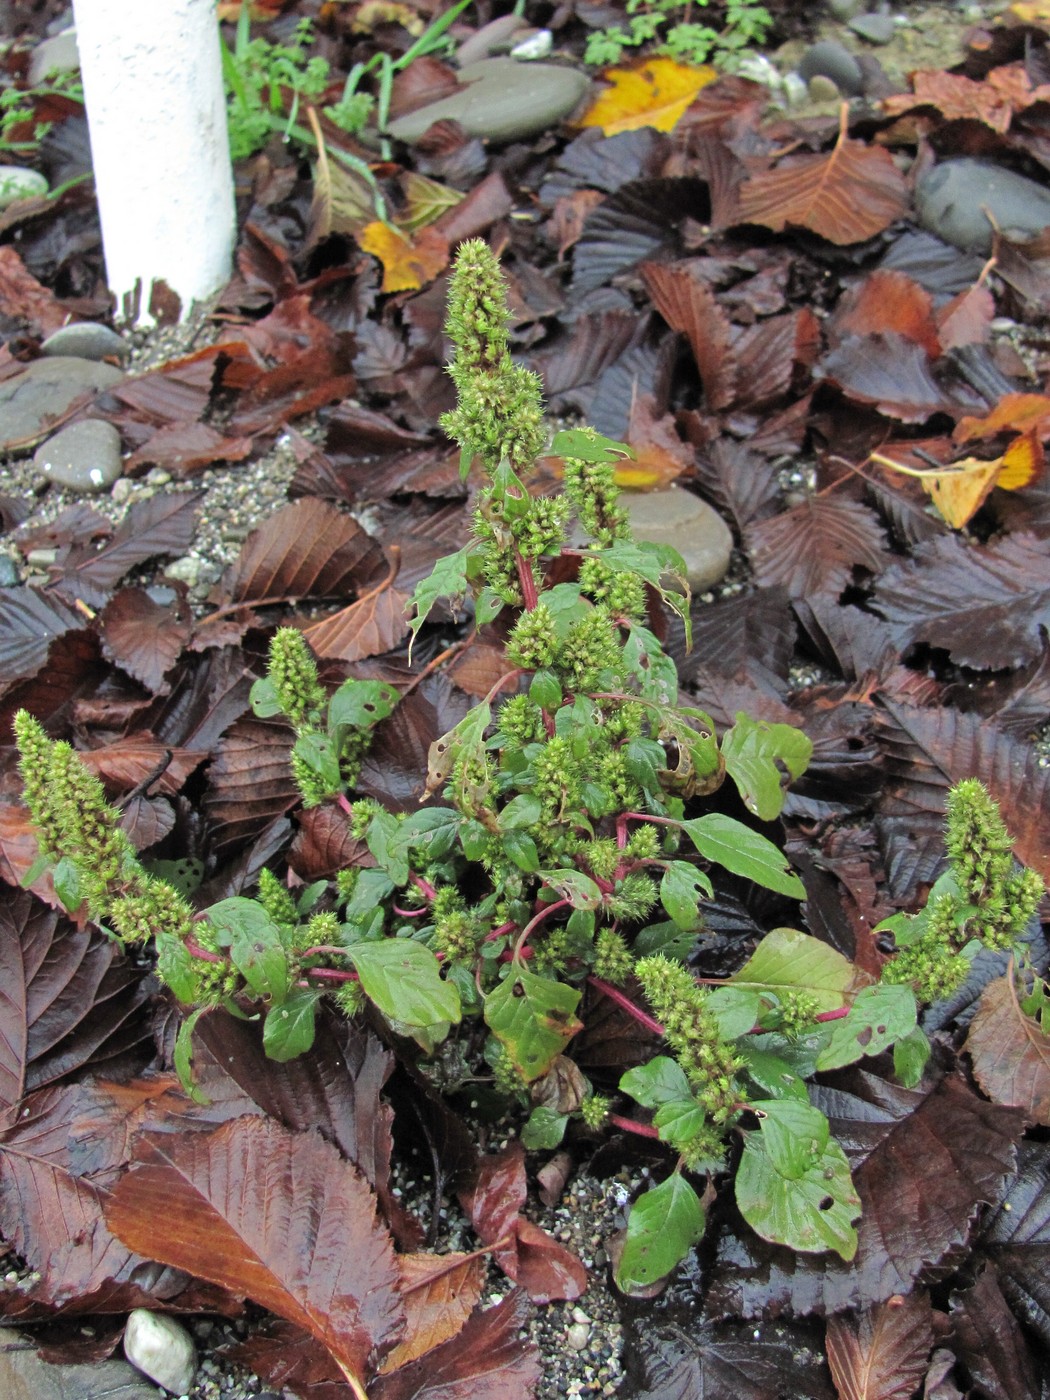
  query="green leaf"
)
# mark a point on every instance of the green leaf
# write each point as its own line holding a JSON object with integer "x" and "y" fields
{"x": 361, "y": 704}
{"x": 523, "y": 810}
{"x": 662, "y": 1228}
{"x": 579, "y": 889}
{"x": 755, "y": 752}
{"x": 660, "y": 1080}
{"x": 467, "y": 734}
{"x": 255, "y": 944}
{"x": 543, "y": 1130}
{"x": 370, "y": 889}
{"x": 879, "y": 1016}
{"x": 545, "y": 691}
{"x": 678, "y": 1121}
{"x": 586, "y": 445}
{"x": 743, "y": 852}
{"x": 66, "y": 879}
{"x": 909, "y": 1057}
{"x": 787, "y": 959}
{"x": 383, "y": 838}
{"x": 771, "y": 1073}
{"x": 177, "y": 967}
{"x": 431, "y": 831}
{"x": 182, "y": 1055}
{"x": 681, "y": 889}
{"x": 652, "y": 563}
{"x": 735, "y": 1009}
{"x": 813, "y": 1213}
{"x": 263, "y": 698}
{"x": 321, "y": 756}
{"x": 508, "y": 492}
{"x": 288, "y": 1030}
{"x": 519, "y": 847}
{"x": 666, "y": 938}
{"x": 645, "y": 759}
{"x": 403, "y": 979}
{"x": 795, "y": 1134}
{"x": 656, "y": 671}
{"x": 534, "y": 1019}
{"x": 449, "y": 578}
{"x": 487, "y": 605}
{"x": 566, "y": 605}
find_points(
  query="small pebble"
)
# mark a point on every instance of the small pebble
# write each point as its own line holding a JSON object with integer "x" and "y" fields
{"x": 877, "y": 29}
{"x": 157, "y": 476}
{"x": 845, "y": 10}
{"x": 18, "y": 182}
{"x": 161, "y": 1348}
{"x": 86, "y": 340}
{"x": 8, "y": 571}
{"x": 830, "y": 60}
{"x": 41, "y": 558}
{"x": 577, "y": 1336}
{"x": 823, "y": 89}
{"x": 83, "y": 457}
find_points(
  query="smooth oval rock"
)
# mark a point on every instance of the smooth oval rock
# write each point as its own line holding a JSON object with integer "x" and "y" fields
{"x": 55, "y": 55}
{"x": 877, "y": 29}
{"x": 19, "y": 182}
{"x": 84, "y": 457}
{"x": 690, "y": 525}
{"x": 161, "y": 1348}
{"x": 951, "y": 198}
{"x": 845, "y": 10}
{"x": 504, "y": 101}
{"x": 829, "y": 59}
{"x": 33, "y": 400}
{"x": 86, "y": 340}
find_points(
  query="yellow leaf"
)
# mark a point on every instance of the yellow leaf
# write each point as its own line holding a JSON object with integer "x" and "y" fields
{"x": 1036, "y": 12}
{"x": 1022, "y": 463}
{"x": 959, "y": 489}
{"x": 657, "y": 94}
{"x": 408, "y": 263}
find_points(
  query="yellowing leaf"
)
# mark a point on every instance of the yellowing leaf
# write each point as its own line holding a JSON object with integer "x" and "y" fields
{"x": 959, "y": 489}
{"x": 408, "y": 263}
{"x": 657, "y": 94}
{"x": 425, "y": 201}
{"x": 1035, "y": 12}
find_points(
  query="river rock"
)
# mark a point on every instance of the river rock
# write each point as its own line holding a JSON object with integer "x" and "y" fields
{"x": 24, "y": 1376}
{"x": 830, "y": 60}
{"x": 55, "y": 55}
{"x": 83, "y": 457}
{"x": 949, "y": 200}
{"x": 35, "y": 398}
{"x": 845, "y": 10}
{"x": 86, "y": 340}
{"x": 19, "y": 182}
{"x": 877, "y": 29}
{"x": 8, "y": 571}
{"x": 504, "y": 101}
{"x": 162, "y": 1349}
{"x": 683, "y": 520}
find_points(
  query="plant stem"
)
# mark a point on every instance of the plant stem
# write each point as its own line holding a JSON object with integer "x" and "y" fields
{"x": 626, "y": 1004}
{"x": 628, "y": 1125}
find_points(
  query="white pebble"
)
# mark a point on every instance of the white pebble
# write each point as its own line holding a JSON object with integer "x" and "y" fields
{"x": 161, "y": 1348}
{"x": 578, "y": 1336}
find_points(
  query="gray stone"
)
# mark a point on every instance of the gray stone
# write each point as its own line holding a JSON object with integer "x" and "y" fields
{"x": 830, "y": 60}
{"x": 845, "y": 10}
{"x": 24, "y": 1376}
{"x": 877, "y": 29}
{"x": 55, "y": 55}
{"x": 8, "y": 571}
{"x": 186, "y": 570}
{"x": 162, "y": 1349}
{"x": 86, "y": 340}
{"x": 950, "y": 201}
{"x": 578, "y": 1335}
{"x": 504, "y": 101}
{"x": 32, "y": 401}
{"x": 823, "y": 89}
{"x": 19, "y": 182}
{"x": 680, "y": 519}
{"x": 83, "y": 457}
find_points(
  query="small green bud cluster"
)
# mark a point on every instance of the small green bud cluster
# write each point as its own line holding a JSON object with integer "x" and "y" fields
{"x": 633, "y": 899}
{"x": 623, "y": 595}
{"x": 612, "y": 958}
{"x": 533, "y": 642}
{"x": 594, "y": 1110}
{"x": 293, "y": 674}
{"x": 796, "y": 1011}
{"x": 275, "y": 899}
{"x": 592, "y": 489}
{"x": 692, "y": 1033}
{"x": 591, "y": 657}
{"x": 558, "y": 778}
{"x": 505, "y": 1074}
{"x": 457, "y": 935}
{"x": 520, "y": 721}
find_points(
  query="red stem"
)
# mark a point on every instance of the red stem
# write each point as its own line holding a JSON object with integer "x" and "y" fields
{"x": 407, "y": 913}
{"x": 192, "y": 946}
{"x": 424, "y": 886}
{"x": 528, "y": 583}
{"x": 331, "y": 974}
{"x": 835, "y": 1015}
{"x": 626, "y": 1004}
{"x": 630, "y": 1126}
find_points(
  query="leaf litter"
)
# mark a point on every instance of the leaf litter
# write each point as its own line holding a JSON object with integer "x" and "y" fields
{"x": 747, "y": 299}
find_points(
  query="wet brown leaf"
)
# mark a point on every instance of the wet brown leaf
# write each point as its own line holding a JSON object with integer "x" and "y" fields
{"x": 881, "y": 1354}
{"x": 439, "y": 1293}
{"x": 142, "y": 637}
{"x": 815, "y": 547}
{"x": 373, "y": 625}
{"x": 1010, "y": 1053}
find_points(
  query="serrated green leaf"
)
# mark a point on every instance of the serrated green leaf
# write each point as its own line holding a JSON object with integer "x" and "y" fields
{"x": 431, "y": 831}
{"x": 449, "y": 578}
{"x": 789, "y": 960}
{"x": 660, "y": 1080}
{"x": 370, "y": 889}
{"x": 682, "y": 887}
{"x": 744, "y": 852}
{"x": 755, "y": 753}
{"x": 403, "y": 979}
{"x": 813, "y": 1214}
{"x": 879, "y": 1016}
{"x": 678, "y": 1121}
{"x": 288, "y": 1030}
{"x": 910, "y": 1055}
{"x": 795, "y": 1134}
{"x": 533, "y": 1018}
{"x": 543, "y": 1130}
{"x": 587, "y": 445}
{"x": 255, "y": 944}
{"x": 735, "y": 1009}
{"x": 319, "y": 754}
{"x": 662, "y": 1228}
{"x": 519, "y": 847}
{"x": 361, "y": 704}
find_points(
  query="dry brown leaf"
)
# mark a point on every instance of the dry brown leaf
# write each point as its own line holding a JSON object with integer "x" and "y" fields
{"x": 688, "y": 305}
{"x": 369, "y": 627}
{"x": 1015, "y": 413}
{"x": 23, "y": 298}
{"x": 408, "y": 263}
{"x": 656, "y": 94}
{"x": 882, "y": 1353}
{"x": 889, "y": 301}
{"x": 439, "y": 1293}
{"x": 846, "y": 196}
{"x": 1010, "y": 1052}
{"x": 994, "y": 101}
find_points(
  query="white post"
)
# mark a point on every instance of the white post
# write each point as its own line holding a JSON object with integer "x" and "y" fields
{"x": 157, "y": 115}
